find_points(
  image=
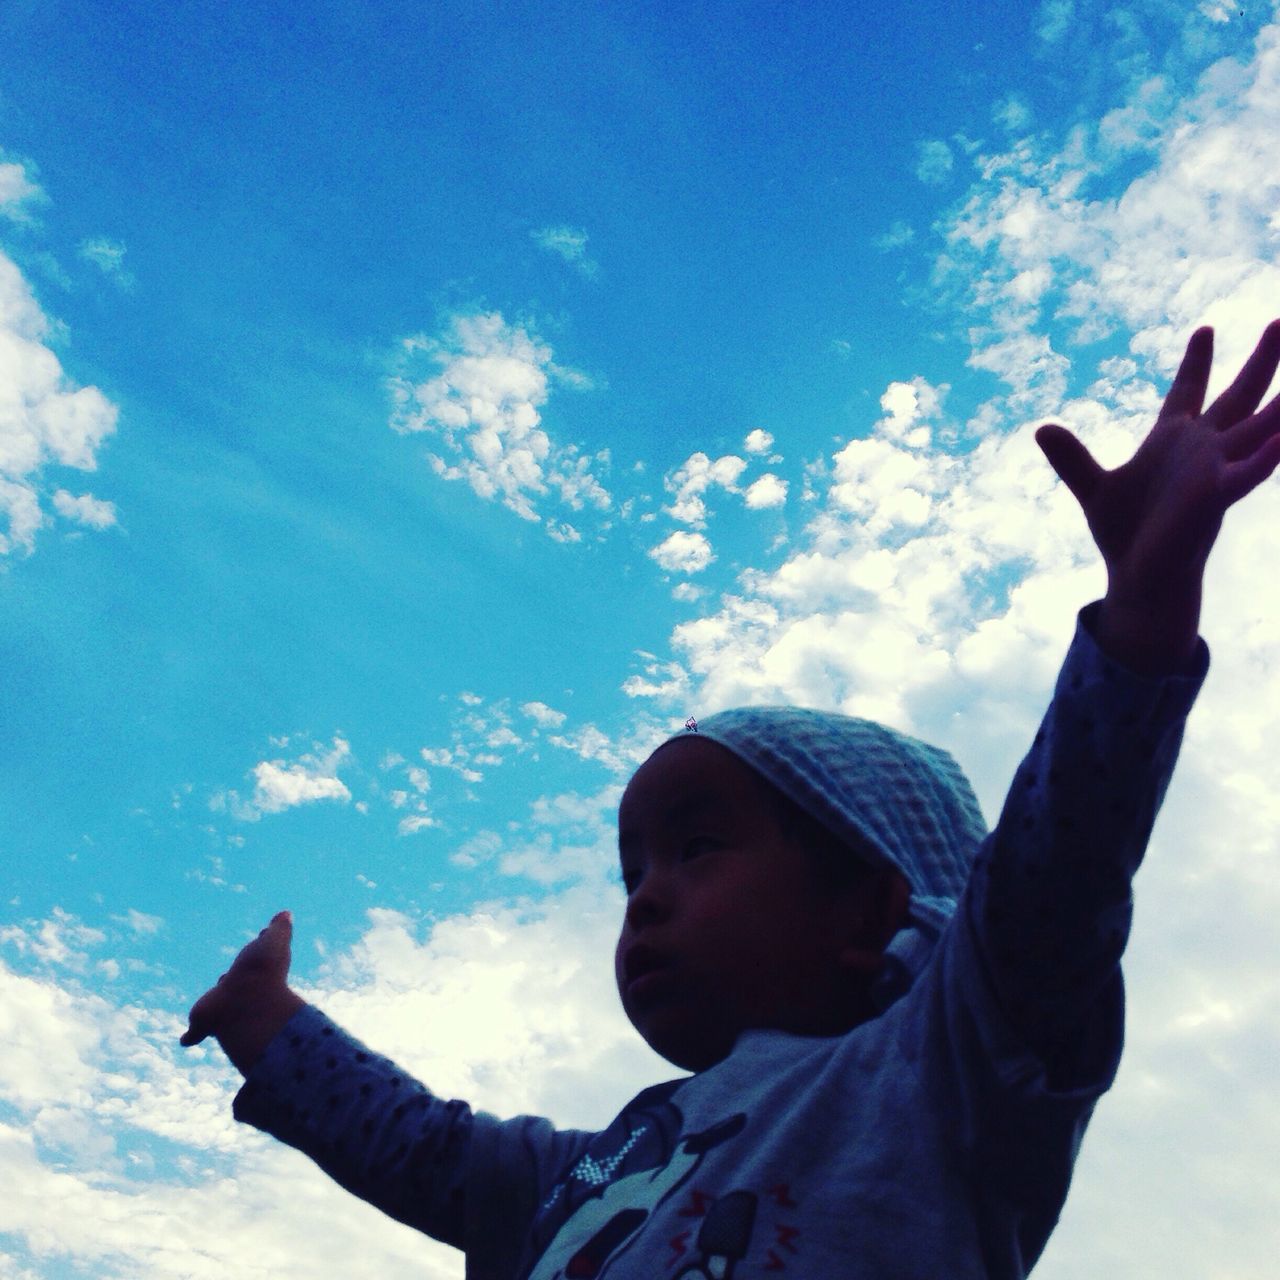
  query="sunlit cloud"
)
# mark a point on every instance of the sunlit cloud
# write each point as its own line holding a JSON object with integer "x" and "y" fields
{"x": 484, "y": 405}
{"x": 46, "y": 421}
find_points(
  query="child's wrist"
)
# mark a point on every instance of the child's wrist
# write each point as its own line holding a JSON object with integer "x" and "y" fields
{"x": 245, "y": 1034}
{"x": 1149, "y": 637}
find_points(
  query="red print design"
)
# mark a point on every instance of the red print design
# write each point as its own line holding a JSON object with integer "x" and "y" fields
{"x": 700, "y": 1202}
{"x": 782, "y": 1195}
{"x": 679, "y": 1246}
{"x": 785, "y": 1236}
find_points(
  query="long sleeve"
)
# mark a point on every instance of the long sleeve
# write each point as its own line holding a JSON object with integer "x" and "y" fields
{"x": 372, "y": 1128}
{"x": 465, "y": 1178}
{"x": 1050, "y": 899}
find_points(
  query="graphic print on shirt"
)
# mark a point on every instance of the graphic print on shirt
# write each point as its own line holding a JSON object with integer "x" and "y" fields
{"x": 596, "y": 1214}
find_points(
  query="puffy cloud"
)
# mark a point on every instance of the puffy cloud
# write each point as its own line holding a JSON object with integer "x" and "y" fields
{"x": 85, "y": 509}
{"x": 768, "y": 491}
{"x": 45, "y": 420}
{"x": 697, "y": 474}
{"x": 683, "y": 552}
{"x": 281, "y": 784}
{"x": 758, "y": 441}
{"x": 484, "y": 405}
{"x": 121, "y": 1158}
{"x": 543, "y": 714}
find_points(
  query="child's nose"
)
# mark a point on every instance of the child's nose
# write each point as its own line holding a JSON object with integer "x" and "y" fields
{"x": 650, "y": 901}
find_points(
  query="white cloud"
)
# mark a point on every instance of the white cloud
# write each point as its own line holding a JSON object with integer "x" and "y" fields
{"x": 666, "y": 680}
{"x": 683, "y": 552}
{"x": 691, "y": 480}
{"x": 281, "y": 784}
{"x": 899, "y": 234}
{"x": 140, "y": 923}
{"x": 1055, "y": 19}
{"x": 934, "y": 162}
{"x": 1012, "y": 113}
{"x": 108, "y": 257}
{"x": 17, "y": 191}
{"x": 85, "y": 509}
{"x": 484, "y": 405}
{"x": 768, "y": 491}
{"x": 45, "y": 420}
{"x": 569, "y": 243}
{"x": 414, "y": 823}
{"x": 546, "y": 716}
{"x": 120, "y": 1158}
{"x": 758, "y": 441}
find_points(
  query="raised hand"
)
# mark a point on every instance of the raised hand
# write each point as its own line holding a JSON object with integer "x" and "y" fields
{"x": 251, "y": 1002}
{"x": 1156, "y": 517}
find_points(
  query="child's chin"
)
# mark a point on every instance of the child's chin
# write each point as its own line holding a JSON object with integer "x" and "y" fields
{"x": 691, "y": 1048}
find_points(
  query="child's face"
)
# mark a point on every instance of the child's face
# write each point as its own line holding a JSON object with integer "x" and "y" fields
{"x": 726, "y": 926}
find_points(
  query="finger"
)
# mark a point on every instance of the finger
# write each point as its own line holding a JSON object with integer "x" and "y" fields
{"x": 271, "y": 949}
{"x": 1245, "y": 394}
{"x": 278, "y": 934}
{"x": 1243, "y": 477}
{"x": 199, "y": 1026}
{"x": 1074, "y": 463}
{"x": 1244, "y": 439}
{"x": 1186, "y": 395}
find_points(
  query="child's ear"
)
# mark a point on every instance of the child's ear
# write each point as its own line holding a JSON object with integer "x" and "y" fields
{"x": 882, "y": 901}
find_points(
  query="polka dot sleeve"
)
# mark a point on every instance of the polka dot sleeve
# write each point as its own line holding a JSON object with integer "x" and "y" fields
{"x": 368, "y": 1125}
{"x": 1049, "y": 897}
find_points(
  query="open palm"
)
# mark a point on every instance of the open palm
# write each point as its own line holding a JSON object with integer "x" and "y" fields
{"x": 1156, "y": 517}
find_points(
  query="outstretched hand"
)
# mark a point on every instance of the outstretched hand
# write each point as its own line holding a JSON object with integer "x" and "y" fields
{"x": 251, "y": 1002}
{"x": 1156, "y": 517}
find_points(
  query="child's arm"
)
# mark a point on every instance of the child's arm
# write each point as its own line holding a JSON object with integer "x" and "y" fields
{"x": 1049, "y": 898}
{"x": 1155, "y": 519}
{"x": 251, "y": 1003}
{"x": 366, "y": 1122}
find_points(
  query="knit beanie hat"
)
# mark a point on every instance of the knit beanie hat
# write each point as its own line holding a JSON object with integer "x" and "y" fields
{"x": 904, "y": 804}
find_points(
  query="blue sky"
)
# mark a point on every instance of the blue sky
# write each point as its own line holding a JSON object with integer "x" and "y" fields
{"x": 406, "y": 418}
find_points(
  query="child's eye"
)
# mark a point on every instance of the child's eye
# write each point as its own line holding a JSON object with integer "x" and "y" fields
{"x": 697, "y": 846}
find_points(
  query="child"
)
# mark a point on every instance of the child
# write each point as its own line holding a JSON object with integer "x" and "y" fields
{"x": 897, "y": 1025}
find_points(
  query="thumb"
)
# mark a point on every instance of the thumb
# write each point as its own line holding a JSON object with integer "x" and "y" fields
{"x": 1070, "y": 459}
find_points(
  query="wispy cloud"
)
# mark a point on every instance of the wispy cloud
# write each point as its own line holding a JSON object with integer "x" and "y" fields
{"x": 569, "y": 243}
{"x": 899, "y": 234}
{"x": 934, "y": 162}
{"x": 17, "y": 191}
{"x": 108, "y": 257}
